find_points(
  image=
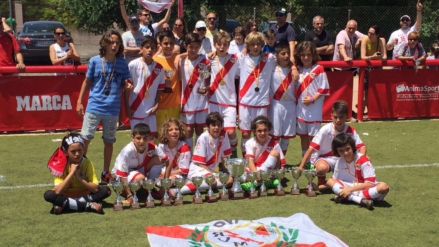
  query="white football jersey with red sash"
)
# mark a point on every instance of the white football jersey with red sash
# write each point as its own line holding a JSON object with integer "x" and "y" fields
{"x": 312, "y": 81}
{"x": 190, "y": 75}
{"x": 358, "y": 171}
{"x": 130, "y": 160}
{"x": 255, "y": 75}
{"x": 209, "y": 151}
{"x": 282, "y": 86}
{"x": 147, "y": 79}
{"x": 259, "y": 153}
{"x": 222, "y": 81}
{"x": 180, "y": 157}
{"x": 322, "y": 142}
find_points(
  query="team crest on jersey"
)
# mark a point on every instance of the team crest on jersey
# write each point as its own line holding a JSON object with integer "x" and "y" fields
{"x": 157, "y": 71}
{"x": 232, "y": 59}
{"x": 150, "y": 153}
{"x": 221, "y": 138}
{"x": 269, "y": 149}
{"x": 313, "y": 75}
{"x": 264, "y": 59}
{"x": 202, "y": 66}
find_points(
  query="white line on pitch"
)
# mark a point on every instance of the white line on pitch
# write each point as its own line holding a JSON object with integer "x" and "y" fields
{"x": 376, "y": 167}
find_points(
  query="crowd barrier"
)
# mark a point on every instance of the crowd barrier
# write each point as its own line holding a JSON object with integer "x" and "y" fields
{"x": 49, "y": 102}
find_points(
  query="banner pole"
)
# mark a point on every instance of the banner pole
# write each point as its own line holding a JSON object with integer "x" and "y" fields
{"x": 360, "y": 94}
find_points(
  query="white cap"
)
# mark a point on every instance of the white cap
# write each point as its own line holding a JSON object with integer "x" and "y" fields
{"x": 200, "y": 24}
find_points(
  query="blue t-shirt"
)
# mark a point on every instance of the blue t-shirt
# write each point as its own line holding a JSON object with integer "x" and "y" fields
{"x": 98, "y": 102}
{"x": 268, "y": 49}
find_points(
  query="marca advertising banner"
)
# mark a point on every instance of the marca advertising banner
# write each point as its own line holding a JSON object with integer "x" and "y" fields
{"x": 340, "y": 88}
{"x": 40, "y": 102}
{"x": 403, "y": 93}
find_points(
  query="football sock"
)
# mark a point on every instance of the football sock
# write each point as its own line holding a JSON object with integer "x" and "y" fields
{"x": 354, "y": 198}
{"x": 190, "y": 142}
{"x": 284, "y": 144}
{"x": 336, "y": 188}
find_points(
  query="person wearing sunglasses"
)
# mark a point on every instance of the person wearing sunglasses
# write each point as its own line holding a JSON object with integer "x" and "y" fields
{"x": 398, "y": 39}
{"x": 146, "y": 26}
{"x": 132, "y": 40}
{"x": 206, "y": 45}
{"x": 180, "y": 32}
{"x": 63, "y": 52}
{"x": 414, "y": 50}
{"x": 284, "y": 32}
{"x": 212, "y": 29}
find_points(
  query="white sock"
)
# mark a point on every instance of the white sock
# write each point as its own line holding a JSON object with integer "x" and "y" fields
{"x": 190, "y": 142}
{"x": 337, "y": 188}
{"x": 373, "y": 193}
{"x": 284, "y": 144}
{"x": 354, "y": 198}
{"x": 72, "y": 204}
{"x": 270, "y": 162}
{"x": 243, "y": 141}
{"x": 234, "y": 143}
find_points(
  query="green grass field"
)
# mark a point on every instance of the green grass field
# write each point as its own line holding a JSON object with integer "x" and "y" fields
{"x": 408, "y": 217}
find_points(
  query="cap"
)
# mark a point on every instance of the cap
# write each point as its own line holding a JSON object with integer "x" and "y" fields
{"x": 134, "y": 18}
{"x": 405, "y": 16}
{"x": 200, "y": 24}
{"x": 281, "y": 11}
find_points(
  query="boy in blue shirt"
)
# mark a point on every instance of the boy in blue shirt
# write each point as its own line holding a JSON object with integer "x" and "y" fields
{"x": 270, "y": 41}
{"x": 107, "y": 74}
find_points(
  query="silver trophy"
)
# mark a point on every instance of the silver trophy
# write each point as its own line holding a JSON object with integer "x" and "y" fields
{"x": 148, "y": 184}
{"x": 168, "y": 74}
{"x": 135, "y": 186}
{"x": 210, "y": 196}
{"x": 236, "y": 169}
{"x": 279, "y": 191}
{"x": 197, "y": 181}
{"x": 179, "y": 182}
{"x": 224, "y": 178}
{"x": 310, "y": 174}
{"x": 251, "y": 177}
{"x": 166, "y": 184}
{"x": 204, "y": 75}
{"x": 118, "y": 187}
{"x": 295, "y": 173}
{"x": 264, "y": 177}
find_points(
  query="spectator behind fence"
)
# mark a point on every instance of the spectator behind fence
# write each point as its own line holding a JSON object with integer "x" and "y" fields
{"x": 206, "y": 45}
{"x": 132, "y": 40}
{"x": 9, "y": 49}
{"x": 372, "y": 48}
{"x": 62, "y": 52}
{"x": 414, "y": 50}
{"x": 144, "y": 15}
{"x": 211, "y": 27}
{"x": 270, "y": 41}
{"x": 434, "y": 53}
{"x": 180, "y": 31}
{"x": 398, "y": 39}
{"x": 250, "y": 26}
{"x": 284, "y": 32}
{"x": 346, "y": 43}
{"x": 321, "y": 38}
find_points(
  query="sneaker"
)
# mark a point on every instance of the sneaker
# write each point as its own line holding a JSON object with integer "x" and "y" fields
{"x": 105, "y": 178}
{"x": 338, "y": 199}
{"x": 367, "y": 203}
{"x": 271, "y": 184}
{"x": 57, "y": 210}
{"x": 94, "y": 207}
{"x": 234, "y": 154}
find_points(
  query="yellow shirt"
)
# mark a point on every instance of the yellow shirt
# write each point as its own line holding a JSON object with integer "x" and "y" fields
{"x": 169, "y": 100}
{"x": 371, "y": 48}
{"x": 87, "y": 171}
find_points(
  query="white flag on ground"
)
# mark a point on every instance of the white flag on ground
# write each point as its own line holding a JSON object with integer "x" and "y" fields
{"x": 297, "y": 230}
{"x": 156, "y": 6}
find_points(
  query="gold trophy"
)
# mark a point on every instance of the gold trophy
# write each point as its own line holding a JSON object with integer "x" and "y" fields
{"x": 279, "y": 191}
{"x": 210, "y": 196}
{"x": 204, "y": 75}
{"x": 168, "y": 74}
{"x": 148, "y": 184}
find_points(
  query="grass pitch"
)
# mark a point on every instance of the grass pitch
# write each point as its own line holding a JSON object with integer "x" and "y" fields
{"x": 408, "y": 217}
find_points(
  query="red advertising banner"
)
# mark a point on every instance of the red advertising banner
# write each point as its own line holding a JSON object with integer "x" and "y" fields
{"x": 40, "y": 102}
{"x": 405, "y": 93}
{"x": 340, "y": 88}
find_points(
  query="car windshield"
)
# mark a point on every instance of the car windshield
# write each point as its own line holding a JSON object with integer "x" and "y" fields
{"x": 40, "y": 28}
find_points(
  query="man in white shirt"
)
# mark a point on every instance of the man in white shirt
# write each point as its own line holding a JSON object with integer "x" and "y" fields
{"x": 132, "y": 40}
{"x": 398, "y": 39}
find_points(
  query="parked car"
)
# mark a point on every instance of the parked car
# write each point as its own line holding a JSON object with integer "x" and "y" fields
{"x": 35, "y": 38}
{"x": 230, "y": 25}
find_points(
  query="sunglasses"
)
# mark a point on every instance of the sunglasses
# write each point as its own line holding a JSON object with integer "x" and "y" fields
{"x": 279, "y": 15}
{"x": 146, "y": 15}
{"x": 405, "y": 20}
{"x": 413, "y": 39}
{"x": 371, "y": 33}
{"x": 211, "y": 18}
{"x": 62, "y": 33}
{"x": 166, "y": 28}
{"x": 201, "y": 29}
{"x": 134, "y": 23}
{"x": 178, "y": 25}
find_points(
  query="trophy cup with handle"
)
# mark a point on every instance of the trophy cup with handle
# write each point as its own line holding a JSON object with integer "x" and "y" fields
{"x": 168, "y": 74}
{"x": 310, "y": 191}
{"x": 135, "y": 186}
{"x": 166, "y": 184}
{"x": 264, "y": 177}
{"x": 236, "y": 168}
{"x": 179, "y": 182}
{"x": 197, "y": 181}
{"x": 251, "y": 177}
{"x": 279, "y": 191}
{"x": 204, "y": 75}
{"x": 224, "y": 194}
{"x": 118, "y": 187}
{"x": 295, "y": 173}
{"x": 210, "y": 196}
{"x": 148, "y": 184}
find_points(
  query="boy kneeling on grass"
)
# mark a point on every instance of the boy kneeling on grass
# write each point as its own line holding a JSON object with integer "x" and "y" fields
{"x": 76, "y": 185}
{"x": 354, "y": 175}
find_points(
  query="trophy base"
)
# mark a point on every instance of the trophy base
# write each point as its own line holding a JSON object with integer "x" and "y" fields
{"x": 224, "y": 197}
{"x": 211, "y": 199}
{"x": 236, "y": 195}
{"x": 263, "y": 194}
{"x": 149, "y": 204}
{"x": 295, "y": 191}
{"x": 167, "y": 90}
{"x": 279, "y": 192}
{"x": 166, "y": 203}
{"x": 253, "y": 195}
{"x": 201, "y": 91}
{"x": 197, "y": 200}
{"x": 135, "y": 205}
{"x": 178, "y": 202}
{"x": 118, "y": 207}
{"x": 310, "y": 193}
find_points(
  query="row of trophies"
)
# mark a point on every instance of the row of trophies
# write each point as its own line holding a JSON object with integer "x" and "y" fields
{"x": 236, "y": 168}
{"x": 202, "y": 89}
